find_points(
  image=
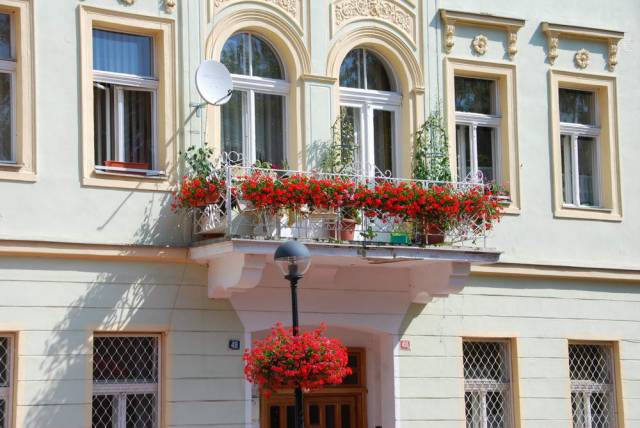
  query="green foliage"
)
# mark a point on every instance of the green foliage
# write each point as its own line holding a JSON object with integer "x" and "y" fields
{"x": 431, "y": 150}
{"x": 198, "y": 160}
{"x": 340, "y": 155}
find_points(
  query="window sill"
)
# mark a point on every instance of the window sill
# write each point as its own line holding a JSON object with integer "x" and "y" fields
{"x": 115, "y": 180}
{"x": 11, "y": 165}
{"x": 587, "y": 213}
{"x": 16, "y": 172}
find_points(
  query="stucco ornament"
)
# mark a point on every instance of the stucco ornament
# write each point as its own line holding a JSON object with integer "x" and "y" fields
{"x": 512, "y": 40}
{"x": 613, "y": 55}
{"x": 480, "y": 44}
{"x": 450, "y": 31}
{"x": 582, "y": 58}
{"x": 554, "y": 44}
{"x": 387, "y": 10}
{"x": 288, "y": 5}
{"x": 128, "y": 2}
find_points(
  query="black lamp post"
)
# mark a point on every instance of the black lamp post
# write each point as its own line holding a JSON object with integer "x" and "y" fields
{"x": 294, "y": 259}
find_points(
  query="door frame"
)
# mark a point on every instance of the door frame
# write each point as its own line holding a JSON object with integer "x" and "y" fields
{"x": 358, "y": 392}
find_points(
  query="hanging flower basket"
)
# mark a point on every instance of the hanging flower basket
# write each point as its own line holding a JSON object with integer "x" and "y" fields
{"x": 284, "y": 361}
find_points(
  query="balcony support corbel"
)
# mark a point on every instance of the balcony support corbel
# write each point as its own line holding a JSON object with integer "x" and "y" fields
{"x": 437, "y": 280}
{"x": 237, "y": 271}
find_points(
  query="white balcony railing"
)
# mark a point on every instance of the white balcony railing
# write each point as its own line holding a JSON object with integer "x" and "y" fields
{"x": 233, "y": 215}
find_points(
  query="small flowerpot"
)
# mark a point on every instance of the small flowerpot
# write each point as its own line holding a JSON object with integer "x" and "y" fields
{"x": 212, "y": 198}
{"x": 434, "y": 234}
{"x": 347, "y": 229}
{"x": 128, "y": 165}
{"x": 504, "y": 200}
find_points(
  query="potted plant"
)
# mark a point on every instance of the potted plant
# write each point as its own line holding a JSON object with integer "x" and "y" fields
{"x": 349, "y": 219}
{"x": 128, "y": 165}
{"x": 283, "y": 361}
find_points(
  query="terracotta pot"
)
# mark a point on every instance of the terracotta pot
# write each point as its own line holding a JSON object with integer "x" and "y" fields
{"x": 434, "y": 234}
{"x": 347, "y": 229}
{"x": 212, "y": 198}
{"x": 131, "y": 165}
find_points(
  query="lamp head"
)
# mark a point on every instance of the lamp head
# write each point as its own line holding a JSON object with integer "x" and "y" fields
{"x": 293, "y": 259}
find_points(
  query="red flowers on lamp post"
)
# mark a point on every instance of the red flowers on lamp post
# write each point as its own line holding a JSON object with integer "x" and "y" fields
{"x": 283, "y": 361}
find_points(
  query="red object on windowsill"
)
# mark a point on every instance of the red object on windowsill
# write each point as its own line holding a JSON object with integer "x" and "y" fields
{"x": 129, "y": 165}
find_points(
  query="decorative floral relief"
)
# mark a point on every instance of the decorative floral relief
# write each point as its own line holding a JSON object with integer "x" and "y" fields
{"x": 480, "y": 44}
{"x": 554, "y": 44}
{"x": 613, "y": 55}
{"x": 170, "y": 5}
{"x": 450, "y": 31}
{"x": 127, "y": 2}
{"x": 582, "y": 58}
{"x": 512, "y": 40}
{"x": 346, "y": 10}
{"x": 288, "y": 5}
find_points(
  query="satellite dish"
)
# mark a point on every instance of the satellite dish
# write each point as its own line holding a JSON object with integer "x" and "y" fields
{"x": 213, "y": 82}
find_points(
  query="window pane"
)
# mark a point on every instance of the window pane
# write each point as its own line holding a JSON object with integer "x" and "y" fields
{"x": 567, "y": 170}
{"x": 474, "y": 95}
{"x": 233, "y": 125}
{"x": 377, "y": 77}
{"x": 5, "y": 36}
{"x": 484, "y": 360}
{"x": 141, "y": 411}
{"x": 586, "y": 170}
{"x": 349, "y": 136}
{"x": 265, "y": 63}
{"x": 4, "y": 362}
{"x": 270, "y": 129}
{"x": 138, "y": 127}
{"x": 352, "y": 70}
{"x": 103, "y": 124}
{"x": 330, "y": 416}
{"x": 495, "y": 410}
{"x": 383, "y": 140}
{"x": 103, "y": 411}
{"x": 576, "y": 106}
{"x": 120, "y": 359}
{"x": 463, "y": 146}
{"x": 6, "y": 144}
{"x": 122, "y": 53}
{"x": 486, "y": 155}
{"x": 235, "y": 54}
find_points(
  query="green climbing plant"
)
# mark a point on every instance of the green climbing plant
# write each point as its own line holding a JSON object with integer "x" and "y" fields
{"x": 431, "y": 150}
{"x": 340, "y": 154}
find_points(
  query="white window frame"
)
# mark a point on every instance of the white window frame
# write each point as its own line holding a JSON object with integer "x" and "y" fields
{"x": 250, "y": 86}
{"x": 10, "y": 67}
{"x": 483, "y": 386}
{"x": 6, "y": 393}
{"x": 586, "y": 388}
{"x": 473, "y": 121}
{"x": 121, "y": 390}
{"x": 367, "y": 101}
{"x": 130, "y": 82}
{"x": 575, "y": 130}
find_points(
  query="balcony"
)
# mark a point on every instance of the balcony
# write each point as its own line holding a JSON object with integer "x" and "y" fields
{"x": 420, "y": 236}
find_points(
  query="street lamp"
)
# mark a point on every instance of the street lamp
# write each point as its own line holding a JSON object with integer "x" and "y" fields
{"x": 294, "y": 259}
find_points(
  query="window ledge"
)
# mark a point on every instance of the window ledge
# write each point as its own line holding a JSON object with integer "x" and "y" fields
{"x": 587, "y": 213}
{"x": 115, "y": 180}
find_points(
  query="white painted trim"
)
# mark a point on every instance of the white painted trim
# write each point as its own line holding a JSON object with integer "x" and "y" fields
{"x": 260, "y": 84}
{"x": 354, "y": 95}
{"x": 121, "y": 79}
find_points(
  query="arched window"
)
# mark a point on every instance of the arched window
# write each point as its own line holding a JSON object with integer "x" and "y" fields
{"x": 253, "y": 121}
{"x": 370, "y": 104}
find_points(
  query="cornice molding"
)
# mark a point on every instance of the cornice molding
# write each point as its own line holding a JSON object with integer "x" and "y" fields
{"x": 451, "y": 18}
{"x": 591, "y": 274}
{"x": 556, "y": 31}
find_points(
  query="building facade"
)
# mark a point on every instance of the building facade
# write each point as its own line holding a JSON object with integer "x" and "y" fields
{"x": 113, "y": 313}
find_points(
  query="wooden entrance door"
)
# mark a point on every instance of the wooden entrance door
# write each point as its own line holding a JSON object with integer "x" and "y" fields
{"x": 343, "y": 406}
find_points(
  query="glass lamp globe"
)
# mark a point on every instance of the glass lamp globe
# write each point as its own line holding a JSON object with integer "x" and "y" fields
{"x": 292, "y": 258}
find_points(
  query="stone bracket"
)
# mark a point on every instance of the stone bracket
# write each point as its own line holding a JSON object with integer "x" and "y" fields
{"x": 236, "y": 271}
{"x": 437, "y": 280}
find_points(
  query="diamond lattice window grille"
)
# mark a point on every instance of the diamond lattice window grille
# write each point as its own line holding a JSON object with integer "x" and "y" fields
{"x": 592, "y": 377}
{"x": 5, "y": 380}
{"x": 487, "y": 384}
{"x": 126, "y": 377}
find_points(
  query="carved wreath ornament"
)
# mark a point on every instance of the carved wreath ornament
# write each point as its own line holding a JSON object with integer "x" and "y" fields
{"x": 582, "y": 58}
{"x": 480, "y": 44}
{"x": 383, "y": 9}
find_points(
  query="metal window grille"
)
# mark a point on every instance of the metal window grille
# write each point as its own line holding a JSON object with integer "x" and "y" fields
{"x": 5, "y": 380}
{"x": 126, "y": 381}
{"x": 487, "y": 384}
{"x": 592, "y": 385}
